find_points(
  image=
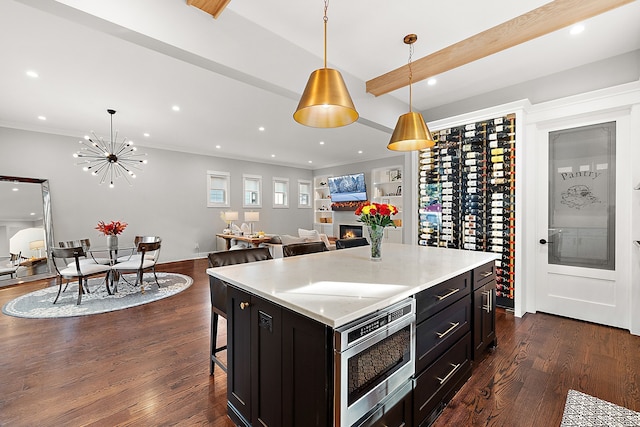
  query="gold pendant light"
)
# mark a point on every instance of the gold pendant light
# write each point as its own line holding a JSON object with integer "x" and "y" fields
{"x": 326, "y": 102}
{"x": 411, "y": 132}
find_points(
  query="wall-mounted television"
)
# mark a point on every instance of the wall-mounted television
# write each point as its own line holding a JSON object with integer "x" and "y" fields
{"x": 348, "y": 188}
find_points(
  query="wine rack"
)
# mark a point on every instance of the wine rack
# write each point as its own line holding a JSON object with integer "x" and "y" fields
{"x": 467, "y": 194}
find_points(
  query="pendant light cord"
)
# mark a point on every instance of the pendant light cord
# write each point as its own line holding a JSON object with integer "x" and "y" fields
{"x": 325, "y": 19}
{"x": 410, "y": 77}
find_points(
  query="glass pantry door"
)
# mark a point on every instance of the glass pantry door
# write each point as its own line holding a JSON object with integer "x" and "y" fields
{"x": 577, "y": 275}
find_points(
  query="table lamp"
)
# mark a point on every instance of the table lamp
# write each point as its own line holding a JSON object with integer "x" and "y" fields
{"x": 229, "y": 217}
{"x": 37, "y": 245}
{"x": 251, "y": 217}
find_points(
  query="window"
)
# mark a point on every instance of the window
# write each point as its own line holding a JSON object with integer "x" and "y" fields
{"x": 252, "y": 188}
{"x": 217, "y": 189}
{"x": 304, "y": 194}
{"x": 280, "y": 192}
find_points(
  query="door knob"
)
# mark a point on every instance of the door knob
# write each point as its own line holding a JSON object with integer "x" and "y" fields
{"x": 544, "y": 242}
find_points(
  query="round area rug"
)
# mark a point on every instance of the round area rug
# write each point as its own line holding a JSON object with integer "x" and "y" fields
{"x": 39, "y": 304}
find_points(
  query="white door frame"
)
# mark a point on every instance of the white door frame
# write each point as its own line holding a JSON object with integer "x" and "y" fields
{"x": 597, "y": 107}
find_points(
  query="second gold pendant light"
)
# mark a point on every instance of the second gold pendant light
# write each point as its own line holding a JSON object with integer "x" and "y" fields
{"x": 411, "y": 132}
{"x": 326, "y": 102}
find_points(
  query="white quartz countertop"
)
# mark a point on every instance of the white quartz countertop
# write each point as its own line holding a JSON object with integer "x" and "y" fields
{"x": 338, "y": 287}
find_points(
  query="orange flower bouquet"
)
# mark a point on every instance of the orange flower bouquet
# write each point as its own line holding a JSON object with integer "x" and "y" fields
{"x": 376, "y": 216}
{"x": 111, "y": 229}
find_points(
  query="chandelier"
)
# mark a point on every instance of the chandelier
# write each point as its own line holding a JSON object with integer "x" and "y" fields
{"x": 110, "y": 160}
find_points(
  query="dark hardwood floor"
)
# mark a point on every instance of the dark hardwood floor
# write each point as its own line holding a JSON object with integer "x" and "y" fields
{"x": 148, "y": 366}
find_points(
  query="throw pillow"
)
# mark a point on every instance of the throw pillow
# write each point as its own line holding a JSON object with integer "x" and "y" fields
{"x": 309, "y": 235}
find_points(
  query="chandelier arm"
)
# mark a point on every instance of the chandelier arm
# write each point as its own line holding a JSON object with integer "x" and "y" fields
{"x": 94, "y": 149}
{"x": 131, "y": 164}
{"x": 122, "y": 148}
{"x": 99, "y": 167}
{"x": 99, "y": 142}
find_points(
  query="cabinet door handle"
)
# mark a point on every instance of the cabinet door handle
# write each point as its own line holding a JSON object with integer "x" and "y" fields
{"x": 487, "y": 307}
{"x": 244, "y": 305}
{"x": 453, "y": 291}
{"x": 453, "y": 326}
{"x": 486, "y": 273}
{"x": 455, "y": 368}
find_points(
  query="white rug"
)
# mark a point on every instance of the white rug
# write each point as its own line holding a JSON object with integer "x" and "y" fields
{"x": 39, "y": 304}
{"x": 582, "y": 410}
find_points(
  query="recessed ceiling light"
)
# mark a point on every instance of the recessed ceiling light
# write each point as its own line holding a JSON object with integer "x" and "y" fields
{"x": 32, "y": 213}
{"x": 576, "y": 29}
{"x": 310, "y": 161}
{"x": 146, "y": 135}
{"x": 42, "y": 118}
{"x": 261, "y": 128}
{"x": 218, "y": 147}
{"x": 14, "y": 189}
{"x": 273, "y": 155}
{"x": 176, "y": 108}
{"x": 321, "y": 142}
{"x": 32, "y": 74}
{"x": 432, "y": 81}
{"x": 359, "y": 151}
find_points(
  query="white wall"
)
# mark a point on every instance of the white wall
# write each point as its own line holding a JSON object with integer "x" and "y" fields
{"x": 168, "y": 198}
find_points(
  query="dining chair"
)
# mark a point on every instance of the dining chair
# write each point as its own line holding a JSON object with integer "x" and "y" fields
{"x": 81, "y": 272}
{"x": 86, "y": 245}
{"x": 135, "y": 255}
{"x": 295, "y": 249}
{"x": 11, "y": 268}
{"x": 351, "y": 243}
{"x": 139, "y": 264}
{"x": 218, "y": 290}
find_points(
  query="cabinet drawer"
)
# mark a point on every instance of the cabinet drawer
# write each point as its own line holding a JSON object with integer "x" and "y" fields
{"x": 484, "y": 274}
{"x": 394, "y": 412}
{"x": 438, "y": 333}
{"x": 434, "y": 299}
{"x": 438, "y": 383}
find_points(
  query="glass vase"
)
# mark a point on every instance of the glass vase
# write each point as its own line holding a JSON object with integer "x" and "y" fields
{"x": 112, "y": 242}
{"x": 375, "y": 234}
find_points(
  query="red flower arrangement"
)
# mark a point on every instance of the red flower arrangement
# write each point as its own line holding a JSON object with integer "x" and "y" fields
{"x": 376, "y": 214}
{"x": 111, "y": 229}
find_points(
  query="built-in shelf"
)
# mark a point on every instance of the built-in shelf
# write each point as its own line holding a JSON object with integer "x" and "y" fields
{"x": 387, "y": 188}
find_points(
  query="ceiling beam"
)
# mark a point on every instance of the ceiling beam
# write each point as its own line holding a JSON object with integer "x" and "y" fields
{"x": 550, "y": 17}
{"x": 212, "y": 7}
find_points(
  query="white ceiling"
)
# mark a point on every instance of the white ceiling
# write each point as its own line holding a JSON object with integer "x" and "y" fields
{"x": 248, "y": 68}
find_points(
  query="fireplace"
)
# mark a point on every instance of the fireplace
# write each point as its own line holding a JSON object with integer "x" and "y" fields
{"x": 350, "y": 231}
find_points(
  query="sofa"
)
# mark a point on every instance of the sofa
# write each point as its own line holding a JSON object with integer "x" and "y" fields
{"x": 277, "y": 242}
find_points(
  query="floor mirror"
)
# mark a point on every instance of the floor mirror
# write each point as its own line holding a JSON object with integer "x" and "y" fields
{"x": 26, "y": 232}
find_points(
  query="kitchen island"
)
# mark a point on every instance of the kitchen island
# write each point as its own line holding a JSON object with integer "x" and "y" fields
{"x": 282, "y": 315}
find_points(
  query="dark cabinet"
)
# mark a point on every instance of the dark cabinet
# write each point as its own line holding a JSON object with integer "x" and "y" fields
{"x": 279, "y": 368}
{"x": 484, "y": 311}
{"x": 436, "y": 385}
{"x": 443, "y": 346}
{"x": 395, "y": 412}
